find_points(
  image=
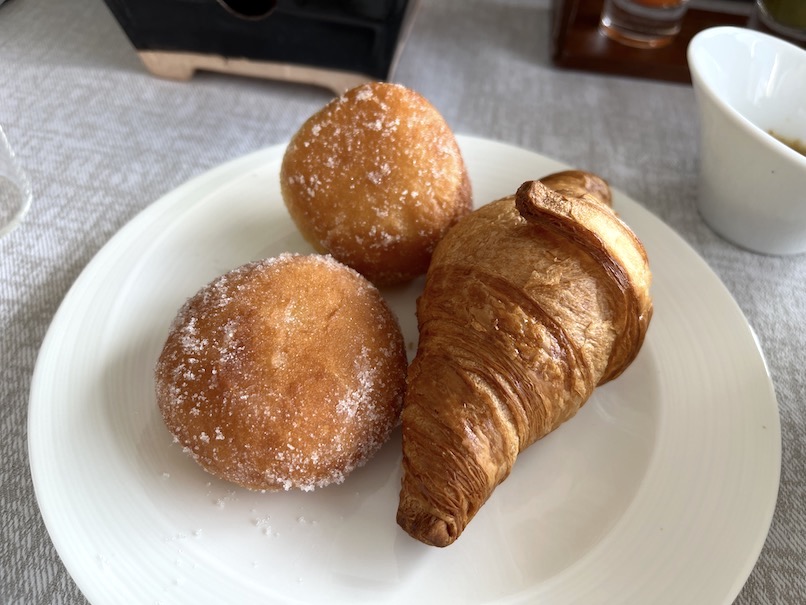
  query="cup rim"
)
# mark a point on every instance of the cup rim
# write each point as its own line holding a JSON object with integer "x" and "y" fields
{"x": 693, "y": 54}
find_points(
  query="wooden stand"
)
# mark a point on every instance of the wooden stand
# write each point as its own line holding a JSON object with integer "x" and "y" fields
{"x": 182, "y": 65}
{"x": 578, "y": 44}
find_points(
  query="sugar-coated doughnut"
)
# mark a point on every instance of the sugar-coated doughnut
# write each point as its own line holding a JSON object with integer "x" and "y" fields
{"x": 283, "y": 373}
{"x": 376, "y": 178}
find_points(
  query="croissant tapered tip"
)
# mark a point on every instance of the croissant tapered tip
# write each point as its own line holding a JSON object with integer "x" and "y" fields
{"x": 435, "y": 534}
{"x": 555, "y": 193}
{"x": 532, "y": 196}
{"x": 427, "y": 528}
{"x": 576, "y": 183}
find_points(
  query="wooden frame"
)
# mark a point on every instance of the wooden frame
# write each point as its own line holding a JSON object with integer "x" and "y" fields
{"x": 577, "y": 44}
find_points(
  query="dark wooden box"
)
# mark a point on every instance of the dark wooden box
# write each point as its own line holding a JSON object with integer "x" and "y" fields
{"x": 332, "y": 43}
{"x": 577, "y": 43}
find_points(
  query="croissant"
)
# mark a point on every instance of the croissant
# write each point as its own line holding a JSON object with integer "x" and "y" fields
{"x": 530, "y": 302}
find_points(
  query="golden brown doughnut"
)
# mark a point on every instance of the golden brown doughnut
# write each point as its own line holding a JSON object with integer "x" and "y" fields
{"x": 283, "y": 373}
{"x": 376, "y": 178}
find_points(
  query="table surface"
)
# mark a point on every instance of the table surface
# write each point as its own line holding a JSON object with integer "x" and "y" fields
{"x": 102, "y": 139}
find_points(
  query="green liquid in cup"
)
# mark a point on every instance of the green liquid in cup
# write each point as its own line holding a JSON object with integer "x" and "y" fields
{"x": 791, "y": 13}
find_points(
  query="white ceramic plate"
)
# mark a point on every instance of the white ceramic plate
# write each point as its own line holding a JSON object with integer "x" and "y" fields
{"x": 661, "y": 490}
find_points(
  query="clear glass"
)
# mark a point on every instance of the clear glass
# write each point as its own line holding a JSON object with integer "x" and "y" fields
{"x": 15, "y": 188}
{"x": 642, "y": 23}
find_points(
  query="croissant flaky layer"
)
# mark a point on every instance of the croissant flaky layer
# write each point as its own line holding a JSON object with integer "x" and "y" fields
{"x": 530, "y": 302}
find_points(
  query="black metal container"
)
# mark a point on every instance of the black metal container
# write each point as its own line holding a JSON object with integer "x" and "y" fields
{"x": 336, "y": 43}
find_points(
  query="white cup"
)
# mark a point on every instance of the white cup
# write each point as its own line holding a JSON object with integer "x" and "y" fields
{"x": 749, "y": 87}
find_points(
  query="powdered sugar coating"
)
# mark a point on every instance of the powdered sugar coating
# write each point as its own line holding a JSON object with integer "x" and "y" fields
{"x": 376, "y": 178}
{"x": 283, "y": 373}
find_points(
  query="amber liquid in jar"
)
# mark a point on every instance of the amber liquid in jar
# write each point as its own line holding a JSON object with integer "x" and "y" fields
{"x": 642, "y": 23}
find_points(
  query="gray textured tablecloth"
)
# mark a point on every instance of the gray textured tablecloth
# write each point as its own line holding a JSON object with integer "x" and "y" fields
{"x": 102, "y": 139}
